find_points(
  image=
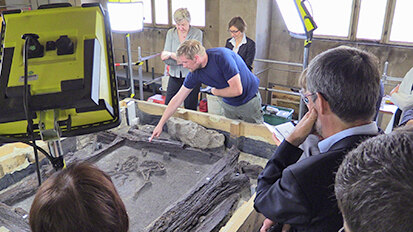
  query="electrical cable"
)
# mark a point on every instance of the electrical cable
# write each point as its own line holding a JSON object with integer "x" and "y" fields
{"x": 27, "y": 112}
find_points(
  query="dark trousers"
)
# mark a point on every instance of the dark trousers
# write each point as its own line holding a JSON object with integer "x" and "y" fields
{"x": 174, "y": 84}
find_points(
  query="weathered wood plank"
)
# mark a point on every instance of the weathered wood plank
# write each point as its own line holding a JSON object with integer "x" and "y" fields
{"x": 11, "y": 221}
{"x": 221, "y": 186}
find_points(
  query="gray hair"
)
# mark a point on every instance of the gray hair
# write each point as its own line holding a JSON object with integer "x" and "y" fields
{"x": 182, "y": 14}
{"x": 349, "y": 79}
{"x": 190, "y": 48}
{"x": 374, "y": 184}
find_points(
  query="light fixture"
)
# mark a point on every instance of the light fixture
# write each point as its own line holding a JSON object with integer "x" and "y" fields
{"x": 126, "y": 16}
{"x": 298, "y": 20}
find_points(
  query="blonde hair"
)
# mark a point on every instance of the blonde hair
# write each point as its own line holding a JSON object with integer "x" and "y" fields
{"x": 182, "y": 14}
{"x": 190, "y": 48}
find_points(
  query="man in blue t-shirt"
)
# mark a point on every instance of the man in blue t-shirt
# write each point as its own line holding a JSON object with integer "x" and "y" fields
{"x": 228, "y": 77}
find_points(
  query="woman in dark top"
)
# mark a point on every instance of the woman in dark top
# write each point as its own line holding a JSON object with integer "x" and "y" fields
{"x": 239, "y": 42}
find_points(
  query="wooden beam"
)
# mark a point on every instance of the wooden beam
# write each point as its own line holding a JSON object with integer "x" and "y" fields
{"x": 244, "y": 219}
{"x": 388, "y": 21}
{"x": 234, "y": 128}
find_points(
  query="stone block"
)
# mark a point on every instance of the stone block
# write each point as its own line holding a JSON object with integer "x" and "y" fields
{"x": 14, "y": 161}
{"x": 17, "y": 156}
{"x": 194, "y": 135}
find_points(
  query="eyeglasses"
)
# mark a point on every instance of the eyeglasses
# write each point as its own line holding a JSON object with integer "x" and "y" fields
{"x": 305, "y": 96}
{"x": 233, "y": 32}
{"x": 341, "y": 230}
{"x": 182, "y": 23}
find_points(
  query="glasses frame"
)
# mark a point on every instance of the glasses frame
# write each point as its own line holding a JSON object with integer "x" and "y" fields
{"x": 341, "y": 230}
{"x": 305, "y": 96}
{"x": 233, "y": 32}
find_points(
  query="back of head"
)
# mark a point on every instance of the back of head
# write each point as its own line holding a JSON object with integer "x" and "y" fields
{"x": 374, "y": 184}
{"x": 190, "y": 48}
{"x": 239, "y": 23}
{"x": 80, "y": 198}
{"x": 182, "y": 14}
{"x": 349, "y": 79}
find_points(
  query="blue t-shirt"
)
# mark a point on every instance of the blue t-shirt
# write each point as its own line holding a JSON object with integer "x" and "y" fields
{"x": 223, "y": 64}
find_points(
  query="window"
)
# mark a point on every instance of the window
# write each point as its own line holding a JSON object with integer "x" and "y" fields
{"x": 331, "y": 17}
{"x": 195, "y": 7}
{"x": 384, "y": 21}
{"x": 147, "y": 9}
{"x": 161, "y": 12}
{"x": 126, "y": 16}
{"x": 371, "y": 19}
{"x": 401, "y": 29}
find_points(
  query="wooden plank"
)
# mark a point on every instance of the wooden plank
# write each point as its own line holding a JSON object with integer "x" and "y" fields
{"x": 11, "y": 221}
{"x": 245, "y": 219}
{"x": 220, "y": 187}
{"x": 250, "y": 130}
{"x": 235, "y": 128}
{"x": 283, "y": 95}
{"x": 182, "y": 114}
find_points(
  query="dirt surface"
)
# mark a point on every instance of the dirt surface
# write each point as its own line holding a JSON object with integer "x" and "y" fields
{"x": 149, "y": 183}
{"x": 148, "y": 180}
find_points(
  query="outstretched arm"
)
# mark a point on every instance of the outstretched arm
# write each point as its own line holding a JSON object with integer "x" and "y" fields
{"x": 170, "y": 110}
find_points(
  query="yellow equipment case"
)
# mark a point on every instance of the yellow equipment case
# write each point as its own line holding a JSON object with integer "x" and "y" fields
{"x": 71, "y": 82}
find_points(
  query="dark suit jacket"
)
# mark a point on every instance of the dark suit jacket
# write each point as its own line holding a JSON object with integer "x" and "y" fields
{"x": 407, "y": 116}
{"x": 302, "y": 194}
{"x": 246, "y": 51}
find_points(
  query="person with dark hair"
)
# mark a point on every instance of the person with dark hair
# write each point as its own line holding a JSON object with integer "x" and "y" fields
{"x": 374, "y": 184}
{"x": 80, "y": 198}
{"x": 239, "y": 42}
{"x": 341, "y": 88}
{"x": 181, "y": 32}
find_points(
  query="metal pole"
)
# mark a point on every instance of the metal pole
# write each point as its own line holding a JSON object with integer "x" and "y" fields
{"x": 142, "y": 59}
{"x": 153, "y": 79}
{"x": 279, "y": 62}
{"x": 140, "y": 75}
{"x": 305, "y": 57}
{"x": 279, "y": 91}
{"x": 384, "y": 76}
{"x": 302, "y": 108}
{"x": 128, "y": 49}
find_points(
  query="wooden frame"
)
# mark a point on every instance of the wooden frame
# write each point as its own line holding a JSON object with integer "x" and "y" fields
{"x": 234, "y": 127}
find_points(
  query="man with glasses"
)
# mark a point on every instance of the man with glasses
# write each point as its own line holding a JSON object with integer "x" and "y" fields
{"x": 340, "y": 87}
{"x": 374, "y": 184}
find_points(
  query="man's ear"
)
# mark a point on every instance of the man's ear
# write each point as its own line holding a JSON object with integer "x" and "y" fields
{"x": 197, "y": 58}
{"x": 322, "y": 105}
